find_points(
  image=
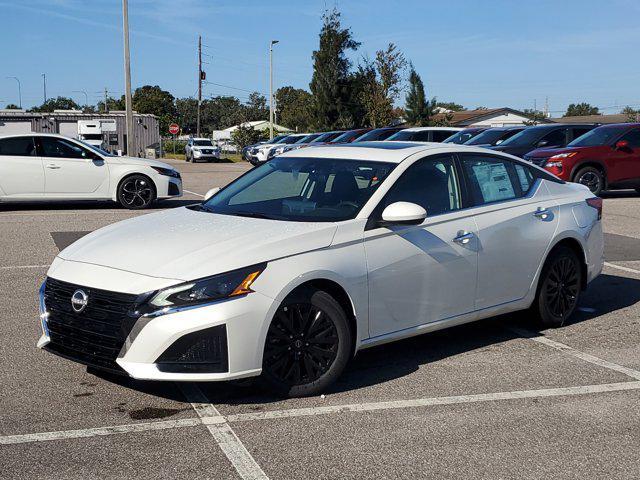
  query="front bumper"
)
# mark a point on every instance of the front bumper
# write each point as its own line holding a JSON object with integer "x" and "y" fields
{"x": 206, "y": 157}
{"x": 174, "y": 345}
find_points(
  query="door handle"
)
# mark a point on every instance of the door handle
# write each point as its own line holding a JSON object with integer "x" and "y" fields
{"x": 464, "y": 237}
{"x": 542, "y": 213}
{"x": 53, "y": 166}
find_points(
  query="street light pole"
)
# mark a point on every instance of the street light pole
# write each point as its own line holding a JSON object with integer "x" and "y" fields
{"x": 44, "y": 86}
{"x": 86, "y": 97}
{"x": 127, "y": 79}
{"x": 19, "y": 92}
{"x": 273, "y": 42}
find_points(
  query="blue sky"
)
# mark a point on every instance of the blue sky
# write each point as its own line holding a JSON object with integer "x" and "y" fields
{"x": 491, "y": 52}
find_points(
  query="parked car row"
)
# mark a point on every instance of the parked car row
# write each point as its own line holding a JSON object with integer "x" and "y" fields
{"x": 600, "y": 157}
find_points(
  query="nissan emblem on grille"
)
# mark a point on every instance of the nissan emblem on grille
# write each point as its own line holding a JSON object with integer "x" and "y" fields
{"x": 79, "y": 301}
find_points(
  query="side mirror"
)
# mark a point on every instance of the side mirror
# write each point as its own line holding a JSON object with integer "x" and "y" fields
{"x": 542, "y": 143}
{"x": 622, "y": 145}
{"x": 403, "y": 213}
{"x": 211, "y": 193}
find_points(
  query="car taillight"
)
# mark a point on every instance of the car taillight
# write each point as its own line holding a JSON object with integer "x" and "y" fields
{"x": 596, "y": 202}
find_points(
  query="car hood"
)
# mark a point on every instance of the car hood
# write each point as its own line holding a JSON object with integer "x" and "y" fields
{"x": 550, "y": 152}
{"x": 141, "y": 161}
{"x": 186, "y": 244}
{"x": 204, "y": 147}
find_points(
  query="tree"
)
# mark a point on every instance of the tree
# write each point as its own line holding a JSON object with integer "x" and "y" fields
{"x": 418, "y": 110}
{"x": 58, "y": 103}
{"x": 295, "y": 108}
{"x": 112, "y": 104}
{"x": 534, "y": 116}
{"x": 245, "y": 135}
{"x": 382, "y": 79}
{"x": 330, "y": 80}
{"x": 581, "y": 109}
{"x": 12, "y": 106}
{"x": 154, "y": 100}
{"x": 256, "y": 108}
{"x": 454, "y": 107}
{"x": 632, "y": 114}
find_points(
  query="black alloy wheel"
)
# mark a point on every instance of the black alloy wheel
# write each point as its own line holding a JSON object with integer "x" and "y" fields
{"x": 592, "y": 178}
{"x": 136, "y": 192}
{"x": 308, "y": 344}
{"x": 560, "y": 285}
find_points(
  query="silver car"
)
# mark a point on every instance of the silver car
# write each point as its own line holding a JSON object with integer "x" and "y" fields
{"x": 201, "y": 150}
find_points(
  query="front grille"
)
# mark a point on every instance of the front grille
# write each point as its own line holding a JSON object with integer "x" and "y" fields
{"x": 173, "y": 189}
{"x": 94, "y": 336}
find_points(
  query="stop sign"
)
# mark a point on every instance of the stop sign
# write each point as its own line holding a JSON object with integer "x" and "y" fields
{"x": 174, "y": 128}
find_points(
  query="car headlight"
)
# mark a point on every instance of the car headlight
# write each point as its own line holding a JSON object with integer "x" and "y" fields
{"x": 556, "y": 164}
{"x": 225, "y": 285}
{"x": 169, "y": 172}
{"x": 197, "y": 153}
{"x": 562, "y": 155}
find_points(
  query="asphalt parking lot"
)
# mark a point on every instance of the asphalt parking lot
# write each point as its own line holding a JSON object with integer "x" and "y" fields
{"x": 494, "y": 399}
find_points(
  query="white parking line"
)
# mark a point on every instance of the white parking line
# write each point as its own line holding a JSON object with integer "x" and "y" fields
{"x": 193, "y": 193}
{"x": 576, "y": 353}
{"x": 620, "y": 267}
{"x": 240, "y": 457}
{"x": 18, "y": 267}
{"x": 223, "y": 434}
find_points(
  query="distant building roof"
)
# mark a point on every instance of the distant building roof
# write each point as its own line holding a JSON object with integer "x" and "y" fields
{"x": 614, "y": 118}
{"x": 469, "y": 117}
{"x": 259, "y": 125}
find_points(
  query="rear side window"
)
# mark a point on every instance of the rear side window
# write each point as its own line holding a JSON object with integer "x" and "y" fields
{"x": 633, "y": 137}
{"x": 579, "y": 131}
{"x": 525, "y": 177}
{"x": 492, "y": 179}
{"x": 440, "y": 135}
{"x": 422, "y": 136}
{"x": 18, "y": 146}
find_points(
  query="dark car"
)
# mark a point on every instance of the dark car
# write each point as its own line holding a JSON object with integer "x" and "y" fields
{"x": 606, "y": 158}
{"x": 494, "y": 136}
{"x": 465, "y": 135}
{"x": 555, "y": 135}
{"x": 325, "y": 138}
{"x": 350, "y": 135}
{"x": 378, "y": 134}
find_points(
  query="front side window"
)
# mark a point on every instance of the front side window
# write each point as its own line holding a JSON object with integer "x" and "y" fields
{"x": 302, "y": 189}
{"x": 431, "y": 183}
{"x": 604, "y": 135}
{"x": 440, "y": 135}
{"x": 579, "y": 131}
{"x": 557, "y": 138}
{"x": 17, "y": 146}
{"x": 203, "y": 143}
{"x": 61, "y": 148}
{"x": 492, "y": 179}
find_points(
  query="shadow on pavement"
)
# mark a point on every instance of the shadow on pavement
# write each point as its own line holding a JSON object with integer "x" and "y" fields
{"x": 91, "y": 205}
{"x": 606, "y": 294}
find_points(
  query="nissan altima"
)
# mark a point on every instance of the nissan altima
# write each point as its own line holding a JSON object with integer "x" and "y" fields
{"x": 293, "y": 268}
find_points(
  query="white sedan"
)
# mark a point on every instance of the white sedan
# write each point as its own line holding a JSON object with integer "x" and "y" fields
{"x": 303, "y": 261}
{"x": 49, "y": 167}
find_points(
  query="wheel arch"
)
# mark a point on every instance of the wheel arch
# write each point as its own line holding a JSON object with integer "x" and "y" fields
{"x": 574, "y": 244}
{"x": 590, "y": 163}
{"x": 124, "y": 176}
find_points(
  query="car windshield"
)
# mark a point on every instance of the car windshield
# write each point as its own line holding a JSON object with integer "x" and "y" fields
{"x": 301, "y": 189}
{"x": 102, "y": 152}
{"x": 526, "y": 137}
{"x": 203, "y": 143}
{"x": 309, "y": 138}
{"x": 598, "y": 136}
{"x": 462, "y": 136}
{"x": 403, "y": 135}
{"x": 489, "y": 137}
{"x": 380, "y": 134}
{"x": 347, "y": 136}
{"x": 291, "y": 139}
{"x": 277, "y": 139}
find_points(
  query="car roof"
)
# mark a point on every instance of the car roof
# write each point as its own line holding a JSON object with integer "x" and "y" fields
{"x": 31, "y": 134}
{"x": 425, "y": 129}
{"x": 384, "y": 151}
{"x": 556, "y": 125}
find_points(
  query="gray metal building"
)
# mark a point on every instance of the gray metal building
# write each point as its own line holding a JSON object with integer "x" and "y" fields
{"x": 145, "y": 126}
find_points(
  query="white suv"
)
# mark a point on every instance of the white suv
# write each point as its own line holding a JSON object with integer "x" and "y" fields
{"x": 201, "y": 149}
{"x": 45, "y": 167}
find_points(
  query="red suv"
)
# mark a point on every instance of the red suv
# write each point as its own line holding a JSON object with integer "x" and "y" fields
{"x": 606, "y": 158}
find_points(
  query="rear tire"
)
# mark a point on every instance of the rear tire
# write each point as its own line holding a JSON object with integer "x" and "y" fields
{"x": 558, "y": 288}
{"x": 308, "y": 344}
{"x": 136, "y": 192}
{"x": 592, "y": 178}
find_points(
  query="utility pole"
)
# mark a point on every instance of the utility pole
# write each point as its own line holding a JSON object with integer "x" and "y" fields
{"x": 546, "y": 107}
{"x": 273, "y": 42}
{"x": 86, "y": 96}
{"x": 106, "y": 97}
{"x": 199, "y": 83}
{"x": 19, "y": 91}
{"x": 44, "y": 86}
{"x": 127, "y": 79}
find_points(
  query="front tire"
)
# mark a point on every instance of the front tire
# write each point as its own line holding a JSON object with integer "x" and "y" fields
{"x": 591, "y": 177}
{"x": 136, "y": 192}
{"x": 559, "y": 287}
{"x": 308, "y": 344}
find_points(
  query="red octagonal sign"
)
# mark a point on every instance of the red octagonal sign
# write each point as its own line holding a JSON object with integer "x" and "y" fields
{"x": 174, "y": 128}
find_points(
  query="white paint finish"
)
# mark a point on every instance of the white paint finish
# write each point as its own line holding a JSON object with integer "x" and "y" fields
{"x": 224, "y": 435}
{"x": 48, "y": 178}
